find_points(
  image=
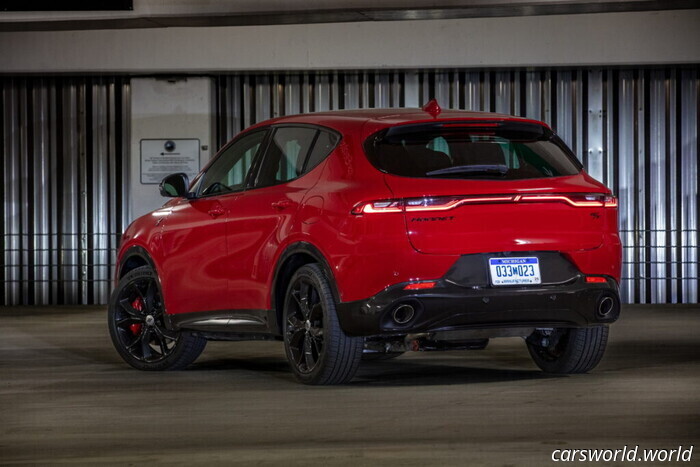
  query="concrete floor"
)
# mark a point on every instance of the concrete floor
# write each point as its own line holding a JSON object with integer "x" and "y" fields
{"x": 66, "y": 397}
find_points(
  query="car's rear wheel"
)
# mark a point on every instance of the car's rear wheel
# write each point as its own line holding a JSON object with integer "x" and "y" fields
{"x": 137, "y": 326}
{"x": 568, "y": 350}
{"x": 318, "y": 350}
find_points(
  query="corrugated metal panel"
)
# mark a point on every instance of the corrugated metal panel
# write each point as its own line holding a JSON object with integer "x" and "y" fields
{"x": 65, "y": 155}
{"x": 634, "y": 129}
{"x": 65, "y": 148}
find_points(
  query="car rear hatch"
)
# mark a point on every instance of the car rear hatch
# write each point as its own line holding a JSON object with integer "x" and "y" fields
{"x": 487, "y": 186}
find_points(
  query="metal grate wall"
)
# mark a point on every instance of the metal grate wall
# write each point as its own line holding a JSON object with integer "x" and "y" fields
{"x": 64, "y": 171}
{"x": 65, "y": 144}
{"x": 634, "y": 129}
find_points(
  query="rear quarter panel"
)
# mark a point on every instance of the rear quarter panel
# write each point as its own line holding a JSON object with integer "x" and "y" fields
{"x": 365, "y": 253}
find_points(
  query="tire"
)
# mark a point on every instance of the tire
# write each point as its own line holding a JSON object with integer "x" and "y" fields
{"x": 379, "y": 356}
{"x": 318, "y": 350}
{"x": 568, "y": 350}
{"x": 138, "y": 330}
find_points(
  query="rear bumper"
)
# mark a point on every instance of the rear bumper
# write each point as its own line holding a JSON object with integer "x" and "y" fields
{"x": 454, "y": 307}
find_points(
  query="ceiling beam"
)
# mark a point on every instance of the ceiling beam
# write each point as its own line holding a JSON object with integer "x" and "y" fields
{"x": 337, "y": 15}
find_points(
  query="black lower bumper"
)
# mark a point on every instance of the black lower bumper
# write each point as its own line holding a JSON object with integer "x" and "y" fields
{"x": 447, "y": 306}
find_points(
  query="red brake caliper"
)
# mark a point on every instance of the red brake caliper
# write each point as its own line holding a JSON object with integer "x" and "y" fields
{"x": 137, "y": 304}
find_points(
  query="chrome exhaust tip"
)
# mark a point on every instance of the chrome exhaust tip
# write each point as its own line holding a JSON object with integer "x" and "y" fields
{"x": 403, "y": 314}
{"x": 605, "y": 306}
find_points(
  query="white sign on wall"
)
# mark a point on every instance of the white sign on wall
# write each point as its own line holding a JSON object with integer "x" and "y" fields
{"x": 162, "y": 157}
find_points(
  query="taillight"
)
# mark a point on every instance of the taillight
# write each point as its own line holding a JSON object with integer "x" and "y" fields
{"x": 445, "y": 203}
{"x": 421, "y": 285}
{"x": 438, "y": 203}
{"x": 596, "y": 280}
{"x": 610, "y": 201}
{"x": 471, "y": 125}
{"x": 387, "y": 205}
{"x": 576, "y": 200}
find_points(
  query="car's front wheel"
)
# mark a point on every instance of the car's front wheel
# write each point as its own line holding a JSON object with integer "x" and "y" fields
{"x": 318, "y": 350}
{"x": 568, "y": 350}
{"x": 137, "y": 326}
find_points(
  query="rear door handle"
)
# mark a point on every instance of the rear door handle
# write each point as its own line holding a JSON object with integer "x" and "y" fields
{"x": 216, "y": 211}
{"x": 281, "y": 205}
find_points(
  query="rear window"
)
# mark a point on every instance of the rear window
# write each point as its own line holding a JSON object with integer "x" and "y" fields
{"x": 500, "y": 151}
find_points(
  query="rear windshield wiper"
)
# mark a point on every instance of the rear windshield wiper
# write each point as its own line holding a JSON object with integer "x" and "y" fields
{"x": 496, "y": 169}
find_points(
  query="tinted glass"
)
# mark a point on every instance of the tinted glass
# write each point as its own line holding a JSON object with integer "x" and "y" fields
{"x": 229, "y": 171}
{"x": 325, "y": 143}
{"x": 510, "y": 152}
{"x": 285, "y": 156}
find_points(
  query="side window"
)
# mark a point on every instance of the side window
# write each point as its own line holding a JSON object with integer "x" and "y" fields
{"x": 285, "y": 155}
{"x": 325, "y": 143}
{"x": 229, "y": 171}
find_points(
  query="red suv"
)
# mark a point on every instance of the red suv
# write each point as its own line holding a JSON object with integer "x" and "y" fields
{"x": 361, "y": 234}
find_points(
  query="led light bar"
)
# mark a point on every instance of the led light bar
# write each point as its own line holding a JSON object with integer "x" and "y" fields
{"x": 578, "y": 201}
{"x": 471, "y": 125}
{"x": 446, "y": 203}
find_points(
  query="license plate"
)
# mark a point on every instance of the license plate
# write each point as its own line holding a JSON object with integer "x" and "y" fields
{"x": 515, "y": 271}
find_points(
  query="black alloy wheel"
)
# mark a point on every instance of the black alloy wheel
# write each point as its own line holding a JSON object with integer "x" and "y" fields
{"x": 318, "y": 350}
{"x": 138, "y": 330}
{"x": 568, "y": 350}
{"x": 305, "y": 325}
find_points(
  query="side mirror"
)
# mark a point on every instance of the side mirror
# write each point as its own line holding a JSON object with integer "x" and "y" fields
{"x": 174, "y": 185}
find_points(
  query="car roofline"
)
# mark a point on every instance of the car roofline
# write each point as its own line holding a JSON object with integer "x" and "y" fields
{"x": 389, "y": 117}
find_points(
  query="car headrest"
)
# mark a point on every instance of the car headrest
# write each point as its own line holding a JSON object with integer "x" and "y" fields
{"x": 412, "y": 161}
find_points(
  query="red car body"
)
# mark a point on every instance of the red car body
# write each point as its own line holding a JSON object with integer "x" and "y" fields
{"x": 219, "y": 257}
